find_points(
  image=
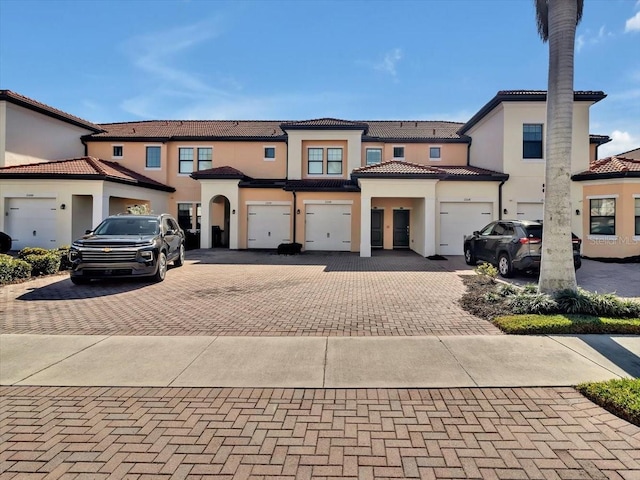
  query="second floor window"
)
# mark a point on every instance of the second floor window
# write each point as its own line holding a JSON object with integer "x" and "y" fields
{"x": 205, "y": 158}
{"x": 398, "y": 153}
{"x": 434, "y": 153}
{"x": 602, "y": 216}
{"x": 316, "y": 159}
{"x": 532, "y": 140}
{"x": 185, "y": 157}
{"x": 269, "y": 153}
{"x": 153, "y": 157}
{"x": 117, "y": 151}
{"x": 374, "y": 155}
{"x": 334, "y": 161}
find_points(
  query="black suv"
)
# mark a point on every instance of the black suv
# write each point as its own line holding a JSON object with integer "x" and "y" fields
{"x": 511, "y": 245}
{"x": 128, "y": 246}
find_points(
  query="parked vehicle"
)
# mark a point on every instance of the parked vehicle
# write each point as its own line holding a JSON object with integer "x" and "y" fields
{"x": 128, "y": 246}
{"x": 511, "y": 245}
{"x": 5, "y": 242}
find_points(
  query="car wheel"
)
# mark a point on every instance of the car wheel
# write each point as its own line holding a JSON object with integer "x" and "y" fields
{"x": 79, "y": 280}
{"x": 504, "y": 266}
{"x": 162, "y": 268}
{"x": 179, "y": 261}
{"x": 577, "y": 263}
{"x": 469, "y": 257}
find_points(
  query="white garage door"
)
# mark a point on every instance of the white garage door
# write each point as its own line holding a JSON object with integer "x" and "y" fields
{"x": 328, "y": 227}
{"x": 268, "y": 226}
{"x": 31, "y": 222}
{"x": 530, "y": 211}
{"x": 459, "y": 219}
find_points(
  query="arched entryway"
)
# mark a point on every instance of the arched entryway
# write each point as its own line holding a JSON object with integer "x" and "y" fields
{"x": 220, "y": 221}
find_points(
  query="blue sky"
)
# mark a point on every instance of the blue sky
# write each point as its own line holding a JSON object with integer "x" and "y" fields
{"x": 121, "y": 60}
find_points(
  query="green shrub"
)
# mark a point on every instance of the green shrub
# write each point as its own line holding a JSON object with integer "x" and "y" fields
{"x": 532, "y": 303}
{"x": 564, "y": 324}
{"x": 63, "y": 252}
{"x": 45, "y": 264}
{"x": 621, "y": 397}
{"x": 530, "y": 289}
{"x": 487, "y": 270}
{"x": 507, "y": 290}
{"x": 574, "y": 302}
{"x": 12, "y": 269}
{"x": 32, "y": 251}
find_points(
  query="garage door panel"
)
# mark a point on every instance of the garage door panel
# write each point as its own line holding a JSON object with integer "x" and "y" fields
{"x": 31, "y": 222}
{"x": 328, "y": 227}
{"x": 459, "y": 219}
{"x": 530, "y": 211}
{"x": 268, "y": 225}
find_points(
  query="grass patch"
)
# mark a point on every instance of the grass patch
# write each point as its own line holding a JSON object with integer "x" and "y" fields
{"x": 566, "y": 323}
{"x": 620, "y": 397}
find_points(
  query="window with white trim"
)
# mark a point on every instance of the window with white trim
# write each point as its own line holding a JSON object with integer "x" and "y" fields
{"x": 118, "y": 151}
{"x": 185, "y": 160}
{"x": 398, "y": 153}
{"x": 602, "y": 216}
{"x": 269, "y": 153}
{"x": 434, "y": 153}
{"x": 205, "y": 158}
{"x": 334, "y": 161}
{"x": 315, "y": 161}
{"x": 373, "y": 156}
{"x": 153, "y": 157}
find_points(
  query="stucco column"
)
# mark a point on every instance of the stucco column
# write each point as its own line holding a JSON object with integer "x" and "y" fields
{"x": 205, "y": 221}
{"x": 234, "y": 222}
{"x": 430, "y": 232}
{"x": 100, "y": 209}
{"x": 365, "y": 224}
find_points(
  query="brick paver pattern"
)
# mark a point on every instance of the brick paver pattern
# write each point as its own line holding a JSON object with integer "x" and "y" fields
{"x": 137, "y": 433}
{"x": 254, "y": 293}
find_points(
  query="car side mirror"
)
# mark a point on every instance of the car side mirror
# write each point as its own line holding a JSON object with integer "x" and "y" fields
{"x": 88, "y": 232}
{"x": 476, "y": 233}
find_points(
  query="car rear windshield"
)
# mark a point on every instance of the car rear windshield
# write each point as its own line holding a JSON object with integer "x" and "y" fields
{"x": 534, "y": 231}
{"x": 128, "y": 226}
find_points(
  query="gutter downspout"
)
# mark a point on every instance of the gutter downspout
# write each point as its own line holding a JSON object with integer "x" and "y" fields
{"x": 86, "y": 147}
{"x": 500, "y": 199}
{"x": 295, "y": 214}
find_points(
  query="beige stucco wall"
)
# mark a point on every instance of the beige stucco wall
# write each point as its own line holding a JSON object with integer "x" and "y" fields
{"x": 450, "y": 153}
{"x": 487, "y": 145}
{"x": 624, "y": 243}
{"x": 296, "y": 152}
{"x": 30, "y": 137}
{"x": 325, "y": 144}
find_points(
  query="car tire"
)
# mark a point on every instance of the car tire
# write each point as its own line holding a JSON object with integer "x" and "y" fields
{"x": 161, "y": 271}
{"x": 577, "y": 263}
{"x": 504, "y": 266}
{"x": 179, "y": 261}
{"x": 79, "y": 280}
{"x": 469, "y": 257}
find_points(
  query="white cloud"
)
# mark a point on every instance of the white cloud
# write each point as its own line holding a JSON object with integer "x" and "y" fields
{"x": 620, "y": 142}
{"x": 579, "y": 42}
{"x": 633, "y": 24}
{"x": 591, "y": 38}
{"x": 389, "y": 62}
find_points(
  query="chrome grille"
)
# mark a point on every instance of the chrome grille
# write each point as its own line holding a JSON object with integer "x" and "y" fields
{"x": 112, "y": 256}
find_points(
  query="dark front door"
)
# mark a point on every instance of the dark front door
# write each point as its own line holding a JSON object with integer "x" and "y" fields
{"x": 377, "y": 232}
{"x": 401, "y": 229}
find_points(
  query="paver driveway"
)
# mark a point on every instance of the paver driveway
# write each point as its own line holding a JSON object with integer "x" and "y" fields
{"x": 221, "y": 292}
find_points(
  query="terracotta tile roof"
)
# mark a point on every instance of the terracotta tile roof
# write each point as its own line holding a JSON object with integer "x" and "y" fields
{"x": 324, "y": 123}
{"x": 90, "y": 168}
{"x": 39, "y": 107}
{"x": 219, "y": 172}
{"x": 376, "y": 130}
{"x": 177, "y": 129}
{"x": 611, "y": 167}
{"x": 400, "y": 169}
{"x": 412, "y": 129}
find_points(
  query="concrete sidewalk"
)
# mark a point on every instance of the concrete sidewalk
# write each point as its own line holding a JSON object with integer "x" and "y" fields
{"x": 316, "y": 362}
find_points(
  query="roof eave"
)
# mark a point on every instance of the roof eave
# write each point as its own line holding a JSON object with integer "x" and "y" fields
{"x": 582, "y": 177}
{"x": 368, "y": 138}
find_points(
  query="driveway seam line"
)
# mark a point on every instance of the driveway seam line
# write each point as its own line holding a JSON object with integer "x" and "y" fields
{"x": 63, "y": 359}
{"x": 584, "y": 356}
{"x": 326, "y": 355}
{"x": 192, "y": 361}
{"x": 458, "y": 361}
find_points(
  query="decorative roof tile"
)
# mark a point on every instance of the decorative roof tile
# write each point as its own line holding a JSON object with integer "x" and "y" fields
{"x": 219, "y": 173}
{"x": 189, "y": 129}
{"x": 90, "y": 168}
{"x": 611, "y": 167}
{"x": 39, "y": 107}
{"x": 324, "y": 123}
{"x": 413, "y": 129}
{"x": 400, "y": 169}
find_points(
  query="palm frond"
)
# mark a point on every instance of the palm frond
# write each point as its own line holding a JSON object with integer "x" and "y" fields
{"x": 542, "y": 18}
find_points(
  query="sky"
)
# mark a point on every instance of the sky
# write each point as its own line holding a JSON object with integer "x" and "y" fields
{"x": 130, "y": 60}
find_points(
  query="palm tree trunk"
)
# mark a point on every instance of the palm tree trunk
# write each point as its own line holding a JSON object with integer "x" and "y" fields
{"x": 556, "y": 270}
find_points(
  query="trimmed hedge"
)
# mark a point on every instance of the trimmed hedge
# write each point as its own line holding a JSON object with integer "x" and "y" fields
{"x": 620, "y": 397}
{"x": 570, "y": 323}
{"x": 45, "y": 264}
{"x": 12, "y": 269}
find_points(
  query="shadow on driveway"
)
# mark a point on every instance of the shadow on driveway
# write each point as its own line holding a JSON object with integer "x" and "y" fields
{"x": 612, "y": 348}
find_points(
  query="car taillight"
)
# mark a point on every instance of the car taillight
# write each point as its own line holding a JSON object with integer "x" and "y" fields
{"x": 530, "y": 241}
{"x": 576, "y": 241}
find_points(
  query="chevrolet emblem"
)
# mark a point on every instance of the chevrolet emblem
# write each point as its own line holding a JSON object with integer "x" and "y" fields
{"x": 106, "y": 250}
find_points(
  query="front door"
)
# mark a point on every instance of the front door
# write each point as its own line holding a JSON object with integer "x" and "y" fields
{"x": 401, "y": 229}
{"x": 377, "y": 232}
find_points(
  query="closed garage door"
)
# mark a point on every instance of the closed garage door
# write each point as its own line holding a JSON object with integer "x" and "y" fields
{"x": 459, "y": 219}
{"x": 268, "y": 226}
{"x": 328, "y": 227}
{"x": 530, "y": 211}
{"x": 31, "y": 222}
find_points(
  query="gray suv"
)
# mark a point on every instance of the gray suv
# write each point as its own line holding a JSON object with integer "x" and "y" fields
{"x": 128, "y": 246}
{"x": 511, "y": 245}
